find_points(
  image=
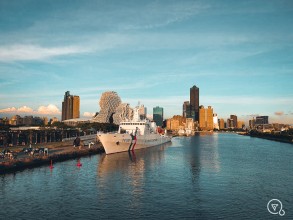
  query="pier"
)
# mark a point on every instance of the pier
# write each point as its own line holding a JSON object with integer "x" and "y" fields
{"x": 58, "y": 152}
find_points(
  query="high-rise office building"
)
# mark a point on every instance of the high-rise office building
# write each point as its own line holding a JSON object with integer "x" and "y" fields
{"x": 222, "y": 123}
{"x": 215, "y": 120}
{"x": 235, "y": 123}
{"x": 240, "y": 124}
{"x": 206, "y": 118}
{"x": 259, "y": 120}
{"x": 194, "y": 103}
{"x": 158, "y": 115}
{"x": 70, "y": 106}
{"x": 230, "y": 123}
{"x": 252, "y": 123}
{"x": 186, "y": 110}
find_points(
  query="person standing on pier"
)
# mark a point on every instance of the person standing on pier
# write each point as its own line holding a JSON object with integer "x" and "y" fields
{"x": 76, "y": 142}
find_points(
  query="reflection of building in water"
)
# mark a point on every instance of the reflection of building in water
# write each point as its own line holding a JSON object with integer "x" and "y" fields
{"x": 210, "y": 156}
{"x": 204, "y": 153}
{"x": 127, "y": 169}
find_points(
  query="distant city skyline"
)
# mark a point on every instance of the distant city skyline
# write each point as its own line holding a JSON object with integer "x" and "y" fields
{"x": 239, "y": 54}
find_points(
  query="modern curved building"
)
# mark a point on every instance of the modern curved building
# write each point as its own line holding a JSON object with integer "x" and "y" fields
{"x": 109, "y": 102}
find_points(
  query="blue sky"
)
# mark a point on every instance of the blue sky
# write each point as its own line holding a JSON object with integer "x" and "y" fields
{"x": 239, "y": 53}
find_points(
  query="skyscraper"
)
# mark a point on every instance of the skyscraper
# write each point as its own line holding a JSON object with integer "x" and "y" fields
{"x": 235, "y": 123}
{"x": 186, "y": 110}
{"x": 206, "y": 118}
{"x": 158, "y": 115}
{"x": 222, "y": 123}
{"x": 70, "y": 106}
{"x": 194, "y": 103}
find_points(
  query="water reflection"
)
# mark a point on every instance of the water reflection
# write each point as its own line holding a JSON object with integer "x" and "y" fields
{"x": 209, "y": 152}
{"x": 202, "y": 153}
{"x": 129, "y": 162}
{"x": 127, "y": 173}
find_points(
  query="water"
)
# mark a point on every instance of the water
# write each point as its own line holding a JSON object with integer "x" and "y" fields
{"x": 215, "y": 176}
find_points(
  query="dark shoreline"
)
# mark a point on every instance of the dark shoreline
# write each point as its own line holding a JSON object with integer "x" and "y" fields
{"x": 29, "y": 163}
{"x": 278, "y": 139}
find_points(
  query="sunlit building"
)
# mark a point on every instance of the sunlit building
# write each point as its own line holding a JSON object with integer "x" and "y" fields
{"x": 222, "y": 123}
{"x": 70, "y": 106}
{"x": 206, "y": 122}
{"x": 215, "y": 120}
{"x": 16, "y": 120}
{"x": 175, "y": 122}
{"x": 240, "y": 124}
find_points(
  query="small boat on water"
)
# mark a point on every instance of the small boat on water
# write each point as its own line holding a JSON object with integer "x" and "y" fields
{"x": 133, "y": 135}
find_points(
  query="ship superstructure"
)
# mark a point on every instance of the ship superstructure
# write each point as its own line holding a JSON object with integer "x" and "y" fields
{"x": 133, "y": 135}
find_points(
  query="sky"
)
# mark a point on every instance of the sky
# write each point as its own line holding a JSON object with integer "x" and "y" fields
{"x": 239, "y": 54}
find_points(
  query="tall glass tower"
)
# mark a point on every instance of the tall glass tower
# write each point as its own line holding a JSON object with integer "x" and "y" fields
{"x": 194, "y": 103}
{"x": 158, "y": 115}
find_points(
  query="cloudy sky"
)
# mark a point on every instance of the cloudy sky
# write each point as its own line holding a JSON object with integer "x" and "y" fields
{"x": 239, "y": 53}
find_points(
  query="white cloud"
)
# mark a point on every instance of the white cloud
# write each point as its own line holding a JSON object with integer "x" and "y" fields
{"x": 42, "y": 110}
{"x": 4, "y": 110}
{"x": 49, "y": 110}
{"x": 25, "y": 109}
{"x": 34, "y": 52}
{"x": 88, "y": 114}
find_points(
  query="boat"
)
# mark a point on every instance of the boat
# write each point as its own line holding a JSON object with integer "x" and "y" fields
{"x": 181, "y": 132}
{"x": 133, "y": 135}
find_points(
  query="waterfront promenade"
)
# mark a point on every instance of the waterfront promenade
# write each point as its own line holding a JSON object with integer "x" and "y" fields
{"x": 58, "y": 151}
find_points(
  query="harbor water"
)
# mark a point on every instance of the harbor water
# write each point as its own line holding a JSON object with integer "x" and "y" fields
{"x": 207, "y": 176}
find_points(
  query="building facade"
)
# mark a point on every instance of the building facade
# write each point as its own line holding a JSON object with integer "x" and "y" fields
{"x": 109, "y": 102}
{"x": 70, "y": 106}
{"x": 206, "y": 122}
{"x": 252, "y": 123}
{"x": 194, "y": 103}
{"x": 158, "y": 115}
{"x": 175, "y": 122}
{"x": 215, "y": 120}
{"x": 186, "y": 110}
{"x": 259, "y": 120}
{"x": 221, "y": 123}
{"x": 142, "y": 111}
{"x": 234, "y": 120}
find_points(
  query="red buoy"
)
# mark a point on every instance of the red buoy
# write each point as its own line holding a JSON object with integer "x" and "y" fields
{"x": 79, "y": 164}
{"x": 51, "y": 166}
